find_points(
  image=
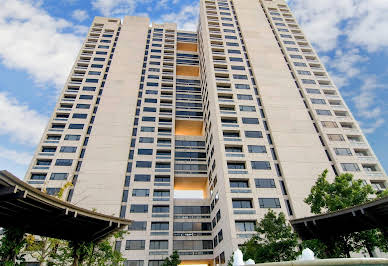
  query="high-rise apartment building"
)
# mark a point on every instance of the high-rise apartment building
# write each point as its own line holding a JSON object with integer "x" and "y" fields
{"x": 242, "y": 112}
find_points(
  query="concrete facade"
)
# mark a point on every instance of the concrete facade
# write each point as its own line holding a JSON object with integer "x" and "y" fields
{"x": 241, "y": 112}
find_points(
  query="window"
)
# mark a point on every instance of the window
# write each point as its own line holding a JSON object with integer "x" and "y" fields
{"x": 145, "y": 151}
{"x": 335, "y": 137}
{"x": 313, "y": 91}
{"x": 147, "y": 129}
{"x": 253, "y": 134}
{"x": 323, "y": 112}
{"x": 148, "y": 119}
{"x": 247, "y": 108}
{"x": 59, "y": 176}
{"x": 135, "y": 244}
{"x": 235, "y": 59}
{"x": 139, "y": 208}
{"x": 76, "y": 126}
{"x": 161, "y": 209}
{"x": 161, "y": 193}
{"x": 159, "y": 226}
{"x": 242, "y": 86}
{"x": 192, "y": 244}
{"x": 292, "y": 49}
{"x": 296, "y": 57}
{"x": 241, "y": 204}
{"x": 149, "y": 109}
{"x": 350, "y": 167}
{"x": 142, "y": 178}
{"x": 250, "y": 121}
{"x": 343, "y": 151}
{"x": 140, "y": 192}
{"x": 159, "y": 244}
{"x": 232, "y": 51}
{"x": 238, "y": 67}
{"x": 86, "y": 97}
{"x": 143, "y": 164}
{"x": 308, "y": 81}
{"x": 83, "y": 106}
{"x": 68, "y": 149}
{"x": 53, "y": 191}
{"x": 137, "y": 226}
{"x": 239, "y": 183}
{"x": 63, "y": 162}
{"x": 261, "y": 165}
{"x": 304, "y": 72}
{"x": 92, "y": 80}
{"x": 245, "y": 226}
{"x": 269, "y": 203}
{"x": 86, "y": 88}
{"x": 256, "y": 149}
{"x": 38, "y": 176}
{"x": 235, "y": 76}
{"x": 80, "y": 116}
{"x": 236, "y": 165}
{"x": 244, "y": 97}
{"x": 146, "y": 140}
{"x": 265, "y": 183}
{"x": 329, "y": 124}
{"x": 318, "y": 101}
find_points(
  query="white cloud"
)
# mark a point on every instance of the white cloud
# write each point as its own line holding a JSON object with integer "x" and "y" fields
{"x": 365, "y": 101}
{"x": 21, "y": 158}
{"x": 186, "y": 18}
{"x": 345, "y": 63}
{"x": 371, "y": 128}
{"x": 33, "y": 41}
{"x": 111, "y": 8}
{"x": 21, "y": 123}
{"x": 79, "y": 15}
{"x": 362, "y": 23}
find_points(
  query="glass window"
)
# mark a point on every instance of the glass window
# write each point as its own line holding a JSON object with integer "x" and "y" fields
{"x": 323, "y": 112}
{"x": 313, "y": 91}
{"x": 240, "y": 204}
{"x": 343, "y": 151}
{"x": 249, "y": 120}
{"x": 159, "y": 244}
{"x": 159, "y": 226}
{"x": 63, "y": 162}
{"x": 269, "y": 203}
{"x": 142, "y": 178}
{"x": 135, "y": 244}
{"x": 160, "y": 209}
{"x": 350, "y": 167}
{"x": 137, "y": 226}
{"x": 318, "y": 101}
{"x": 261, "y": 165}
{"x": 76, "y": 126}
{"x": 245, "y": 226}
{"x": 239, "y": 183}
{"x": 145, "y": 151}
{"x": 68, "y": 149}
{"x": 139, "y": 208}
{"x": 38, "y": 176}
{"x": 253, "y": 134}
{"x": 265, "y": 183}
{"x": 59, "y": 176}
{"x": 257, "y": 149}
{"x": 140, "y": 192}
{"x": 146, "y": 140}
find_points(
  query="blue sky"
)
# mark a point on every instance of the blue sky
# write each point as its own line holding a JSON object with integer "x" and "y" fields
{"x": 41, "y": 38}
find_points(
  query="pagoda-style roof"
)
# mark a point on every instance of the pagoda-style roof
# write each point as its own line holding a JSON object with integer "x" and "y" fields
{"x": 25, "y": 207}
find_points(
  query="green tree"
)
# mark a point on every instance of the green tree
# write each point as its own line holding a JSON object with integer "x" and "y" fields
{"x": 274, "y": 241}
{"x": 11, "y": 243}
{"x": 342, "y": 193}
{"x": 173, "y": 260}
